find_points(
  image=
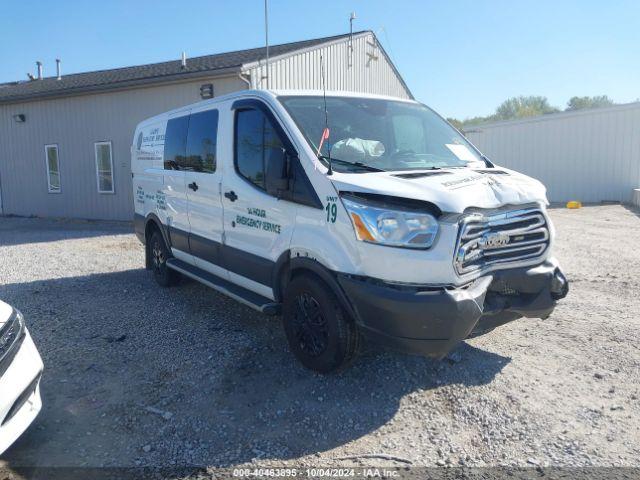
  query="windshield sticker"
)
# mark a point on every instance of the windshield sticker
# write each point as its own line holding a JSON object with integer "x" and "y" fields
{"x": 462, "y": 152}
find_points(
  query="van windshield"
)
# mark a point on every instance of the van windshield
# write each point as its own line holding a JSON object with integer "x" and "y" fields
{"x": 368, "y": 134}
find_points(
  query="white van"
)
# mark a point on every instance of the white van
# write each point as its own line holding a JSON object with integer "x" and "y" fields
{"x": 20, "y": 372}
{"x": 350, "y": 215}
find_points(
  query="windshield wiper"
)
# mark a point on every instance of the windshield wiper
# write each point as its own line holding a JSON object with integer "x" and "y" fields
{"x": 355, "y": 164}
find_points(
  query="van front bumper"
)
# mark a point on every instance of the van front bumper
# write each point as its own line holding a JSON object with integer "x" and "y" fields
{"x": 430, "y": 321}
{"x": 20, "y": 400}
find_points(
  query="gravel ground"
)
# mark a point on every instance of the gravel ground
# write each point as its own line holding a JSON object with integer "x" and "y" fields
{"x": 140, "y": 375}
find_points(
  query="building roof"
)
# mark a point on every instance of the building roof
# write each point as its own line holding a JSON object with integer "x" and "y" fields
{"x": 116, "y": 78}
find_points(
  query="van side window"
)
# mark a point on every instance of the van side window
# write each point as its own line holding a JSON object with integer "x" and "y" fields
{"x": 175, "y": 143}
{"x": 201, "y": 142}
{"x": 255, "y": 138}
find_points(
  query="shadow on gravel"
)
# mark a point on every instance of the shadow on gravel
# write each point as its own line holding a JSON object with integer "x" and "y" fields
{"x": 140, "y": 375}
{"x": 633, "y": 209}
{"x": 20, "y": 230}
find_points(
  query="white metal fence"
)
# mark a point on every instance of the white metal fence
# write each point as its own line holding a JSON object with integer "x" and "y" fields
{"x": 587, "y": 155}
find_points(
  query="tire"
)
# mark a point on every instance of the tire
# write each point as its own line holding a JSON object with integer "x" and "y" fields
{"x": 158, "y": 256}
{"x": 320, "y": 333}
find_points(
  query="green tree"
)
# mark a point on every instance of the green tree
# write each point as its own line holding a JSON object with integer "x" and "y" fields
{"x": 520, "y": 107}
{"x": 468, "y": 122}
{"x": 530, "y": 106}
{"x": 456, "y": 123}
{"x": 578, "y": 103}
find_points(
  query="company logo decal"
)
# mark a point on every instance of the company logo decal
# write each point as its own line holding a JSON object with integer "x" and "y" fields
{"x": 258, "y": 223}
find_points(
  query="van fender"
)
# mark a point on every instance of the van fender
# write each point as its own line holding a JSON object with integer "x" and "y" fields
{"x": 287, "y": 267}
{"x": 152, "y": 220}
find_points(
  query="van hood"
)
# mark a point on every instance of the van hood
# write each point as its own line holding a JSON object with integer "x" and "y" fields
{"x": 453, "y": 190}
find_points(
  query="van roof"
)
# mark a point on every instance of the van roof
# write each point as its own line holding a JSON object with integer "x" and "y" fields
{"x": 272, "y": 94}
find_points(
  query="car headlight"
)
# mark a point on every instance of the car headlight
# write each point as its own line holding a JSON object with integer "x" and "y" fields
{"x": 11, "y": 333}
{"x": 388, "y": 226}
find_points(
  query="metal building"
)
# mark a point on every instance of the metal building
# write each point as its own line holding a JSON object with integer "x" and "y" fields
{"x": 587, "y": 155}
{"x": 65, "y": 140}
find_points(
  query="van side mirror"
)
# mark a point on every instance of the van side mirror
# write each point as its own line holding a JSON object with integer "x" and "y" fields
{"x": 277, "y": 174}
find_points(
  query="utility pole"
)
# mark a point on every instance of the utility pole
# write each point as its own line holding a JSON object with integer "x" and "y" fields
{"x": 352, "y": 17}
{"x": 266, "y": 37}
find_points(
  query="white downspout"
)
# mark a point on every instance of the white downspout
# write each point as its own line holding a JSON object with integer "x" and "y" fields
{"x": 243, "y": 76}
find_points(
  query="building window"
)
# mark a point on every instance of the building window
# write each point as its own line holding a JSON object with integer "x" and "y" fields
{"x": 104, "y": 167}
{"x": 53, "y": 168}
{"x": 255, "y": 140}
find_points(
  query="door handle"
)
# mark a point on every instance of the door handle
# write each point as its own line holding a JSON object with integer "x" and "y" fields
{"x": 193, "y": 186}
{"x": 231, "y": 195}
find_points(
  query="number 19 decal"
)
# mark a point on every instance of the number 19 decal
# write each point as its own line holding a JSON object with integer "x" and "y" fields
{"x": 331, "y": 209}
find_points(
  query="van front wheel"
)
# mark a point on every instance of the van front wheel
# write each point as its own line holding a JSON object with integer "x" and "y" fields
{"x": 319, "y": 331}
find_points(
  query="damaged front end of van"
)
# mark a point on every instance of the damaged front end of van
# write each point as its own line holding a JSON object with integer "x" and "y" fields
{"x": 489, "y": 261}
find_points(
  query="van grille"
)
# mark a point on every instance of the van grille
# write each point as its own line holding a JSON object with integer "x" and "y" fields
{"x": 486, "y": 241}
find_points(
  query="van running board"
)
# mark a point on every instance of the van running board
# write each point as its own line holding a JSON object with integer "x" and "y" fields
{"x": 249, "y": 298}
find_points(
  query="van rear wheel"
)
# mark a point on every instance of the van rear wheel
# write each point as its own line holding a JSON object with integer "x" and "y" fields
{"x": 159, "y": 254}
{"x": 320, "y": 333}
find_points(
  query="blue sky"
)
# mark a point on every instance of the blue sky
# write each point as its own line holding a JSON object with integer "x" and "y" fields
{"x": 461, "y": 57}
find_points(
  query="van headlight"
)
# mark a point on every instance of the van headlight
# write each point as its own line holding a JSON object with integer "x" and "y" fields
{"x": 395, "y": 228}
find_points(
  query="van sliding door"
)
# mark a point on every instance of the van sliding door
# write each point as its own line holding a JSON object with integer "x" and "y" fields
{"x": 174, "y": 188}
{"x": 202, "y": 178}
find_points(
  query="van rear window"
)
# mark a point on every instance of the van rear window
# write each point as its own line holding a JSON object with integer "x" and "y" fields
{"x": 201, "y": 142}
{"x": 175, "y": 143}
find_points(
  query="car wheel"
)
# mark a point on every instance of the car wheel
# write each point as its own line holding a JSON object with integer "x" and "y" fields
{"x": 320, "y": 333}
{"x": 159, "y": 254}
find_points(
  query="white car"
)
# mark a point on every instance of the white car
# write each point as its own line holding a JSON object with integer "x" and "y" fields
{"x": 20, "y": 371}
{"x": 351, "y": 215}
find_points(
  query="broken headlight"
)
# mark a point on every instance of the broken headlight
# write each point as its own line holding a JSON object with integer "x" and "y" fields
{"x": 391, "y": 226}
